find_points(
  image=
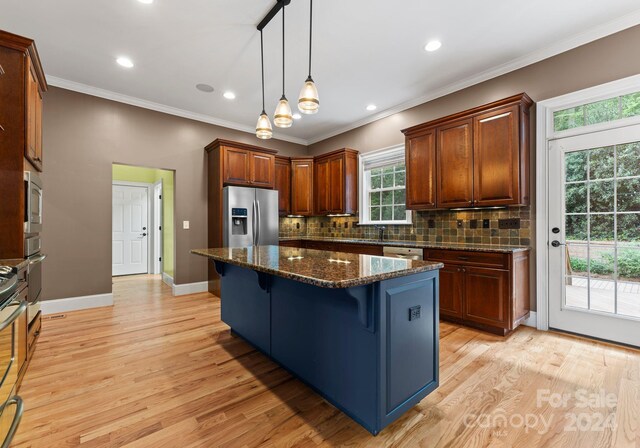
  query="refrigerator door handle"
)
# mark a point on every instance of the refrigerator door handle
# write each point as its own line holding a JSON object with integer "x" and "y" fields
{"x": 253, "y": 224}
{"x": 259, "y": 223}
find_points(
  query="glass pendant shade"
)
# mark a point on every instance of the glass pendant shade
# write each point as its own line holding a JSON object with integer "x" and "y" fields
{"x": 309, "y": 103}
{"x": 282, "y": 117}
{"x": 263, "y": 128}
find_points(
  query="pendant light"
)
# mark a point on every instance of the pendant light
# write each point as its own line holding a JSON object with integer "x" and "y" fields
{"x": 263, "y": 128}
{"x": 309, "y": 102}
{"x": 282, "y": 117}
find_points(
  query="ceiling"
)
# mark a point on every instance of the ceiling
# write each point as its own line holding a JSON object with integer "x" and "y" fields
{"x": 365, "y": 51}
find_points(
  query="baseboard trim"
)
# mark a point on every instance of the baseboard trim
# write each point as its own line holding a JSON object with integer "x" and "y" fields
{"x": 532, "y": 321}
{"x": 167, "y": 279}
{"x": 76, "y": 303}
{"x": 190, "y": 288}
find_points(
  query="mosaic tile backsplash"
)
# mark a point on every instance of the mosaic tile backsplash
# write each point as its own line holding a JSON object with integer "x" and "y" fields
{"x": 442, "y": 226}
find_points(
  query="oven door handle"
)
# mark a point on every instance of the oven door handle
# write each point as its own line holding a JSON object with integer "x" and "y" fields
{"x": 38, "y": 259}
{"x": 17, "y": 401}
{"x": 15, "y": 315}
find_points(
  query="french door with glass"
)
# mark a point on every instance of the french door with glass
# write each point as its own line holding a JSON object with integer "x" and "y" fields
{"x": 594, "y": 234}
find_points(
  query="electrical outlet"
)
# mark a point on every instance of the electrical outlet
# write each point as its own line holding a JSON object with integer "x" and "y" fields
{"x": 485, "y": 224}
{"x": 334, "y": 224}
{"x": 473, "y": 224}
{"x": 185, "y": 225}
{"x": 297, "y": 225}
{"x": 459, "y": 223}
{"x": 414, "y": 312}
{"x": 346, "y": 225}
{"x": 509, "y": 223}
{"x": 432, "y": 223}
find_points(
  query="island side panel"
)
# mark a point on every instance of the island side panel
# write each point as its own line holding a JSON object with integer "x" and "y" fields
{"x": 318, "y": 336}
{"x": 246, "y": 305}
{"x": 409, "y": 342}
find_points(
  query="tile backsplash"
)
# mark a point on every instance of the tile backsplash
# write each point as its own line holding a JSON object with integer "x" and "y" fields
{"x": 446, "y": 226}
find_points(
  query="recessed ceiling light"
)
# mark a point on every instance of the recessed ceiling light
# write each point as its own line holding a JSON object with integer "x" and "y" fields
{"x": 204, "y": 88}
{"x": 372, "y": 107}
{"x": 125, "y": 62}
{"x": 146, "y": 2}
{"x": 297, "y": 116}
{"x": 229, "y": 95}
{"x": 433, "y": 45}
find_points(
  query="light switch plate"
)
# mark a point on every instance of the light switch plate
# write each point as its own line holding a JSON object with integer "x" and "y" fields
{"x": 185, "y": 225}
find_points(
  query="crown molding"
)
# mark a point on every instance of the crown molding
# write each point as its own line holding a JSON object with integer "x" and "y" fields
{"x": 598, "y": 32}
{"x": 133, "y": 101}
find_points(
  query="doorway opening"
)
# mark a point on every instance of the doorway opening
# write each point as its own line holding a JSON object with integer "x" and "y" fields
{"x": 143, "y": 231}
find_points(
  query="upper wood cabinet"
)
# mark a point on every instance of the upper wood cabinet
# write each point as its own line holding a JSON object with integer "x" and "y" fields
{"x": 421, "y": 158}
{"x": 283, "y": 184}
{"x": 302, "y": 175}
{"x": 455, "y": 165}
{"x": 33, "y": 149}
{"x": 496, "y": 157}
{"x": 481, "y": 157}
{"x": 336, "y": 182}
{"x": 247, "y": 165}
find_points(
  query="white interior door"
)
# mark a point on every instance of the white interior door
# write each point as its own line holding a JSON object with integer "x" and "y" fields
{"x": 594, "y": 234}
{"x": 130, "y": 230}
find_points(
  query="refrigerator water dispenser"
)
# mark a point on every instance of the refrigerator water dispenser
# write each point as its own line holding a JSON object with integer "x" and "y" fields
{"x": 239, "y": 221}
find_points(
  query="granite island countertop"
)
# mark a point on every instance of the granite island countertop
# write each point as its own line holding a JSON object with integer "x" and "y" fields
{"x": 15, "y": 263}
{"x": 326, "y": 269}
{"x": 473, "y": 247}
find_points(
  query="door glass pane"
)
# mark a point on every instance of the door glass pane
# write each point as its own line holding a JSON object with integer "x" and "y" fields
{"x": 602, "y": 229}
{"x": 602, "y": 278}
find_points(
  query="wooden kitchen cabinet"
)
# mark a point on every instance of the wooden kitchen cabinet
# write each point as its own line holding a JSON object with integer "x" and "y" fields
{"x": 248, "y": 167}
{"x": 420, "y": 162}
{"x": 455, "y": 165}
{"x": 33, "y": 149}
{"x": 451, "y": 290}
{"x": 497, "y": 159}
{"x": 485, "y": 290}
{"x": 302, "y": 175}
{"x": 336, "y": 182}
{"x": 22, "y": 84}
{"x": 283, "y": 184}
{"x": 481, "y": 157}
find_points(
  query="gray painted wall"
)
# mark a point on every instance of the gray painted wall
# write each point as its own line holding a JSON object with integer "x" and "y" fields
{"x": 83, "y": 136}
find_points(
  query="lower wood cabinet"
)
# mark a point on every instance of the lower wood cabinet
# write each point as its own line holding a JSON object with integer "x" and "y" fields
{"x": 485, "y": 290}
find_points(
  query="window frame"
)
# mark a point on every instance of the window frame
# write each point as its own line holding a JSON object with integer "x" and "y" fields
{"x": 393, "y": 154}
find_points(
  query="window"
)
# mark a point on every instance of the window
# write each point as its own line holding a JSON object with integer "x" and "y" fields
{"x": 610, "y": 109}
{"x": 382, "y": 188}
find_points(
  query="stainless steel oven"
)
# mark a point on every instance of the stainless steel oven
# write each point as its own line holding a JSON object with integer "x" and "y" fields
{"x": 33, "y": 203}
{"x": 10, "y": 404}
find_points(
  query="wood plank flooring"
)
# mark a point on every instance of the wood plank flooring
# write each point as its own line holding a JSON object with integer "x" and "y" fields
{"x": 162, "y": 371}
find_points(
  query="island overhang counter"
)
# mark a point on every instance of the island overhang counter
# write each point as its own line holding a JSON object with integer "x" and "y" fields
{"x": 362, "y": 330}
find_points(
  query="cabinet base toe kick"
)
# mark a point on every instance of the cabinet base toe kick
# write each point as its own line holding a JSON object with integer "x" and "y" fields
{"x": 370, "y": 350}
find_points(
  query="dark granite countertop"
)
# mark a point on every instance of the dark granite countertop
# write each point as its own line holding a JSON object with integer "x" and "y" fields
{"x": 318, "y": 267}
{"x": 16, "y": 263}
{"x": 419, "y": 244}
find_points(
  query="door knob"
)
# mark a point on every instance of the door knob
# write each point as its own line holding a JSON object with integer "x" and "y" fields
{"x": 144, "y": 234}
{"x": 556, "y": 243}
{"x": 144, "y": 228}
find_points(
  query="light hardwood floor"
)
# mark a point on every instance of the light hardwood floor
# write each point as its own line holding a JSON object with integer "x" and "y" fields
{"x": 162, "y": 371}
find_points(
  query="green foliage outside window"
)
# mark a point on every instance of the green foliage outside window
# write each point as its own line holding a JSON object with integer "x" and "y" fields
{"x": 598, "y": 112}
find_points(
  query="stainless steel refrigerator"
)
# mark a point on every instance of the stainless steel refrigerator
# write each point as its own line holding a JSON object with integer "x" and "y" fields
{"x": 250, "y": 217}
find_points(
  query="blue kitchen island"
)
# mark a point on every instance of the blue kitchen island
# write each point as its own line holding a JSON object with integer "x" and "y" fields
{"x": 362, "y": 330}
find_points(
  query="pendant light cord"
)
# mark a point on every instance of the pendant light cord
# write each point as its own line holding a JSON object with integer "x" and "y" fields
{"x": 310, "y": 29}
{"x": 262, "y": 63}
{"x": 283, "y": 5}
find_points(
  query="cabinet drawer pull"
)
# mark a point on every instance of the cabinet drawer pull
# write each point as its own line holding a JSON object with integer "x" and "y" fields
{"x": 1, "y": 70}
{"x": 463, "y": 258}
{"x": 1, "y": 128}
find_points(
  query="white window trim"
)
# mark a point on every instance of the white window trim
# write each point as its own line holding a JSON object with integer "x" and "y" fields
{"x": 363, "y": 202}
{"x": 544, "y": 133}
